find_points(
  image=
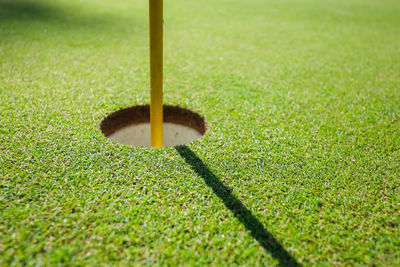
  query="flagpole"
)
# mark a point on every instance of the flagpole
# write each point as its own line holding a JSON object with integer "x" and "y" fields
{"x": 156, "y": 72}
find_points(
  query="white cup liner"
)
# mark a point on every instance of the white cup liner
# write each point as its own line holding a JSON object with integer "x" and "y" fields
{"x": 131, "y": 126}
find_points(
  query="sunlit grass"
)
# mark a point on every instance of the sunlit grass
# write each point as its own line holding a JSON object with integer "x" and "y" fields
{"x": 303, "y": 103}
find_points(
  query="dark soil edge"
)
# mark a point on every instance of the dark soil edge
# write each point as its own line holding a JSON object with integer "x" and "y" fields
{"x": 141, "y": 114}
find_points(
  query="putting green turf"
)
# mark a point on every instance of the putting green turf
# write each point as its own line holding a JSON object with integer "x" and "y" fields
{"x": 301, "y": 162}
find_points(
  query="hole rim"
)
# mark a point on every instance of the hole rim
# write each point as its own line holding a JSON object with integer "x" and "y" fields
{"x": 139, "y": 114}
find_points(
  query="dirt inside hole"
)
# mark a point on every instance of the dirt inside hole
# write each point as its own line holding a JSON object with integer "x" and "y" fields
{"x": 131, "y": 126}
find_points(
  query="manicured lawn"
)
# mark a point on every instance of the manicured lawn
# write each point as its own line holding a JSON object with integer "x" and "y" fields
{"x": 301, "y": 163}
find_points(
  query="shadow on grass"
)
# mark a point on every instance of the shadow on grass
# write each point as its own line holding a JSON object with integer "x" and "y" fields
{"x": 240, "y": 211}
{"x": 25, "y": 10}
{"x": 22, "y": 12}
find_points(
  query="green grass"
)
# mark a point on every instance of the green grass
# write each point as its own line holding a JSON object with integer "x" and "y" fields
{"x": 301, "y": 161}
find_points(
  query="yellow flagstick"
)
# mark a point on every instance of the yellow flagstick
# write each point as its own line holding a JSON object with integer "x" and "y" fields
{"x": 156, "y": 72}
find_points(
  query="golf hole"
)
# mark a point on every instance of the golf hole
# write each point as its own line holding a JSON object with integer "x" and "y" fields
{"x": 131, "y": 126}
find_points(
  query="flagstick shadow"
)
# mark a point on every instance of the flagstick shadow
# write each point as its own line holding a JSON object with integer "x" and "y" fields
{"x": 252, "y": 224}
